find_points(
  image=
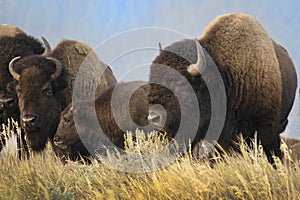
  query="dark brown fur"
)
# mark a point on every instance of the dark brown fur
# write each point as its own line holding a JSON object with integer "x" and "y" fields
{"x": 289, "y": 83}
{"x": 67, "y": 136}
{"x": 46, "y": 98}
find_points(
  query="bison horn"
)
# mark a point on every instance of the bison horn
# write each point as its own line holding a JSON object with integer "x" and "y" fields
{"x": 12, "y": 70}
{"x": 58, "y": 67}
{"x": 159, "y": 47}
{"x": 199, "y": 67}
{"x": 47, "y": 46}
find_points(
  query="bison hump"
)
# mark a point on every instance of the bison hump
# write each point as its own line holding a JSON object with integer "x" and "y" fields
{"x": 82, "y": 49}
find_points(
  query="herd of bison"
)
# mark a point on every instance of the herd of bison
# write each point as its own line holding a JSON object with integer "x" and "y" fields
{"x": 37, "y": 89}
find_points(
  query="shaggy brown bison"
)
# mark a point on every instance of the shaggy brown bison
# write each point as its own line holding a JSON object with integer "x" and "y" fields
{"x": 67, "y": 138}
{"x": 45, "y": 84}
{"x": 255, "y": 74}
{"x": 14, "y": 42}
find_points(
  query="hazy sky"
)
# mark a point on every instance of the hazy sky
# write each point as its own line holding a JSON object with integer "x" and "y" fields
{"x": 96, "y": 21}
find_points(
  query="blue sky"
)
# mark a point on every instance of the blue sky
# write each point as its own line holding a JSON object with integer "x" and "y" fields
{"x": 95, "y": 21}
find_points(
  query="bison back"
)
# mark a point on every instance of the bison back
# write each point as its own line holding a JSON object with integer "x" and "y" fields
{"x": 243, "y": 51}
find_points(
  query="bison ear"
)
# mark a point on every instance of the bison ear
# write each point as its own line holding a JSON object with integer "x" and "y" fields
{"x": 200, "y": 66}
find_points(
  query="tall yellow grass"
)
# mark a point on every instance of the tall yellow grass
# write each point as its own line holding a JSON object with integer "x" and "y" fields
{"x": 242, "y": 176}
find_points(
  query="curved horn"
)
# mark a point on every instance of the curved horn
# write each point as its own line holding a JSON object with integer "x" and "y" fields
{"x": 159, "y": 47}
{"x": 47, "y": 46}
{"x": 58, "y": 65}
{"x": 12, "y": 70}
{"x": 199, "y": 67}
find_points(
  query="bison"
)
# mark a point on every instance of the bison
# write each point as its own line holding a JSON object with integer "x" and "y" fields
{"x": 14, "y": 42}
{"x": 45, "y": 84}
{"x": 255, "y": 72}
{"x": 67, "y": 138}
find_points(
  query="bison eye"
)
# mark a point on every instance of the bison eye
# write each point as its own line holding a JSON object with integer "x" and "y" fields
{"x": 49, "y": 92}
{"x": 10, "y": 87}
{"x": 66, "y": 119}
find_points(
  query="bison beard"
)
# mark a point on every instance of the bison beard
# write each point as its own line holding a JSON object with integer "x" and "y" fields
{"x": 36, "y": 140}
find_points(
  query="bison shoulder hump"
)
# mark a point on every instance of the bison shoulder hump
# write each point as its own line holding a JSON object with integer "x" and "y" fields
{"x": 82, "y": 48}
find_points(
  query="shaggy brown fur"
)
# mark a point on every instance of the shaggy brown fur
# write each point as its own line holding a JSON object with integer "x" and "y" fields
{"x": 45, "y": 98}
{"x": 7, "y": 30}
{"x": 75, "y": 54}
{"x": 67, "y": 138}
{"x": 242, "y": 49}
{"x": 247, "y": 61}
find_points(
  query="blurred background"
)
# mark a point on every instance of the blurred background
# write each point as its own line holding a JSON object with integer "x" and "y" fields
{"x": 96, "y": 22}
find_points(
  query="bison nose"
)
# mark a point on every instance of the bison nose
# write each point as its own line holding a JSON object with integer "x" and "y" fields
{"x": 157, "y": 115}
{"x": 155, "y": 118}
{"x": 59, "y": 142}
{"x": 55, "y": 139}
{"x": 29, "y": 119}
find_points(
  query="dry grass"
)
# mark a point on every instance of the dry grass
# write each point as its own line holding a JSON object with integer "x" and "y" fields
{"x": 244, "y": 176}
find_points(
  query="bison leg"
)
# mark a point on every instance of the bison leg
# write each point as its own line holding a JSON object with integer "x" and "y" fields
{"x": 270, "y": 141}
{"x": 227, "y": 141}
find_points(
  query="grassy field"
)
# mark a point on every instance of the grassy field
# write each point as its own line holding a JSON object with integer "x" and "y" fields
{"x": 244, "y": 176}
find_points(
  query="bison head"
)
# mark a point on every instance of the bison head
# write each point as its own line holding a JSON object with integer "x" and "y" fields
{"x": 22, "y": 45}
{"x": 67, "y": 139}
{"x": 40, "y": 88}
{"x": 66, "y": 135}
{"x": 179, "y": 67}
